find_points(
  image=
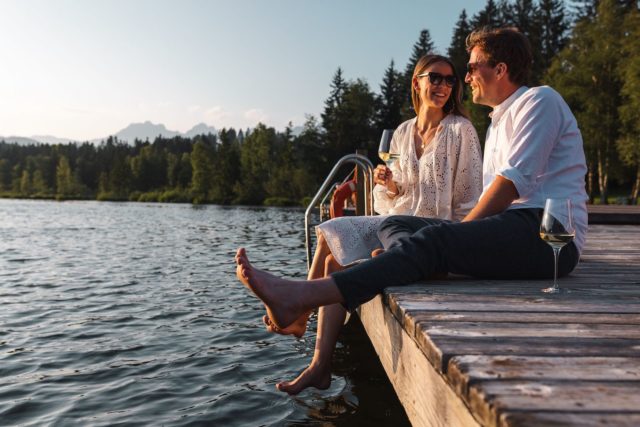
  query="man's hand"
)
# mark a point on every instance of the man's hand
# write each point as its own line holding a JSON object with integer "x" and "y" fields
{"x": 499, "y": 197}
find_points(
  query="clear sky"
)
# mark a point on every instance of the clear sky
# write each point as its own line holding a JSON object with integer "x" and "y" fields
{"x": 84, "y": 69}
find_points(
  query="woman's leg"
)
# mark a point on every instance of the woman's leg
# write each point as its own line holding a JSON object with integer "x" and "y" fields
{"x": 317, "y": 271}
{"x": 330, "y": 321}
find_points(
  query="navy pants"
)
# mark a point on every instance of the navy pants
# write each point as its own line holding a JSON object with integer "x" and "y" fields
{"x": 503, "y": 246}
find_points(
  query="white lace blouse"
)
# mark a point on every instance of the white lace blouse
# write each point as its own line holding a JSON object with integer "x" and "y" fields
{"x": 444, "y": 183}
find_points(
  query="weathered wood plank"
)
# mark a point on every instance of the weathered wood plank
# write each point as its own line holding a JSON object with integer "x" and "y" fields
{"x": 526, "y": 317}
{"x": 425, "y": 395}
{"x": 558, "y": 419}
{"x": 533, "y": 396}
{"x": 524, "y": 330}
{"x": 544, "y": 368}
{"x": 440, "y": 349}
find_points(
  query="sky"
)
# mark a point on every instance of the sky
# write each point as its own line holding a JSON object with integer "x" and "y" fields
{"x": 85, "y": 69}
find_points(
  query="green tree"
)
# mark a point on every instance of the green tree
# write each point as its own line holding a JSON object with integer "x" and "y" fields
{"x": 226, "y": 171}
{"x": 256, "y": 164}
{"x": 424, "y": 46}
{"x": 64, "y": 179}
{"x": 554, "y": 25}
{"x": 202, "y": 166}
{"x": 457, "y": 50}
{"x": 25, "y": 184}
{"x": 629, "y": 142}
{"x": 389, "y": 103}
{"x": 582, "y": 72}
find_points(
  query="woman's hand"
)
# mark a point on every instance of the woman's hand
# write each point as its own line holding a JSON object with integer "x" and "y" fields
{"x": 382, "y": 175}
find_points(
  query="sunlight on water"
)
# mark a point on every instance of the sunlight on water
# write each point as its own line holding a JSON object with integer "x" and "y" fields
{"x": 130, "y": 313}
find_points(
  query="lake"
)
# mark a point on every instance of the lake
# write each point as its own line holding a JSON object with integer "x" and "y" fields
{"x": 130, "y": 314}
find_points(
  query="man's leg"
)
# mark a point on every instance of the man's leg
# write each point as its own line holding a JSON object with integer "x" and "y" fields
{"x": 504, "y": 246}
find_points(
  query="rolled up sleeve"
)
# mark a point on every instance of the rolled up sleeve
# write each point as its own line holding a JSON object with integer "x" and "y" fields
{"x": 536, "y": 126}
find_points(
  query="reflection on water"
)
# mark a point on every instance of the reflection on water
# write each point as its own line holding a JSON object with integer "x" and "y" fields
{"x": 129, "y": 314}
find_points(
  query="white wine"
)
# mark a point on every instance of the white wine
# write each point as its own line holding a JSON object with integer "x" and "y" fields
{"x": 388, "y": 158}
{"x": 557, "y": 240}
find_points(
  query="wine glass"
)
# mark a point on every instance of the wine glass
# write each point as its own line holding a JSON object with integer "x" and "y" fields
{"x": 556, "y": 228}
{"x": 385, "y": 147}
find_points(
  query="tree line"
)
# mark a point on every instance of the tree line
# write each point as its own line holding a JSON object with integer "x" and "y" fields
{"x": 589, "y": 53}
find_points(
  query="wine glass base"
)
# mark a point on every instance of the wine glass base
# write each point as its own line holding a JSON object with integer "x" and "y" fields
{"x": 555, "y": 291}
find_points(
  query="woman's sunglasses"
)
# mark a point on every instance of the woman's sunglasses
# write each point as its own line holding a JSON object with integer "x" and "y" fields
{"x": 437, "y": 78}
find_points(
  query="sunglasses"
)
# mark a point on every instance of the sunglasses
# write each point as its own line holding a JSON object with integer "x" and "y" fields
{"x": 437, "y": 78}
{"x": 473, "y": 66}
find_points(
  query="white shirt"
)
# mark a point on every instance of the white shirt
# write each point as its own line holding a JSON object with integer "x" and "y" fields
{"x": 445, "y": 182}
{"x": 534, "y": 142}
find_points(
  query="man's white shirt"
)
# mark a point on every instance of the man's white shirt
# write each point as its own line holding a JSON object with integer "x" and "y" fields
{"x": 534, "y": 142}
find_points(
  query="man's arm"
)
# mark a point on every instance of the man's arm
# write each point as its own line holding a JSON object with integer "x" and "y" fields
{"x": 499, "y": 196}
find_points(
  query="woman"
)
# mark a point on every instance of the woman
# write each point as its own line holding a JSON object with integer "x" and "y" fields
{"x": 438, "y": 174}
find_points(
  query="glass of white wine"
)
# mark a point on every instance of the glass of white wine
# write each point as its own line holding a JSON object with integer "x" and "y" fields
{"x": 556, "y": 228}
{"x": 385, "y": 148}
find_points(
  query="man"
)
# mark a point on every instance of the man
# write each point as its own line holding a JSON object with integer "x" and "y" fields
{"x": 533, "y": 152}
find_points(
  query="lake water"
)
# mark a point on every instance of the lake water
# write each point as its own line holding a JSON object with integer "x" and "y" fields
{"x": 130, "y": 314}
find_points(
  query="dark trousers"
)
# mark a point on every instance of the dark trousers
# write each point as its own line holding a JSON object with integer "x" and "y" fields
{"x": 503, "y": 246}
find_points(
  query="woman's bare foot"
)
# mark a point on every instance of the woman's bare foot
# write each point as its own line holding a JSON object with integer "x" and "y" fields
{"x": 377, "y": 252}
{"x": 314, "y": 376}
{"x": 297, "y": 328}
{"x": 274, "y": 292}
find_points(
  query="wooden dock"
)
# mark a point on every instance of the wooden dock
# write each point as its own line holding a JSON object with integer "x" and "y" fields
{"x": 464, "y": 352}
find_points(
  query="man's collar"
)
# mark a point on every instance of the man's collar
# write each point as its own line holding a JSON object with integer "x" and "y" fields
{"x": 501, "y": 108}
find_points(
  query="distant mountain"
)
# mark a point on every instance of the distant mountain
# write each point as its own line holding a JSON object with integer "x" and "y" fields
{"x": 200, "y": 129}
{"x": 50, "y": 139}
{"x": 142, "y": 131}
{"x": 20, "y": 140}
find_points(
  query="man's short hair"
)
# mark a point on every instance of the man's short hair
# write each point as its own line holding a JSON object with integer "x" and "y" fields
{"x": 506, "y": 45}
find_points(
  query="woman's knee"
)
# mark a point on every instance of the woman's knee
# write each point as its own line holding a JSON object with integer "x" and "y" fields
{"x": 331, "y": 265}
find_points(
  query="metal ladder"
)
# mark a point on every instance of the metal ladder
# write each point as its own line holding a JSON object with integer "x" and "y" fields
{"x": 328, "y": 186}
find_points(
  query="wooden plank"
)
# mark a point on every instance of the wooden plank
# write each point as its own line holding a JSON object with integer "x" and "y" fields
{"x": 526, "y": 317}
{"x": 613, "y": 214}
{"x": 440, "y": 349}
{"x": 524, "y": 330}
{"x": 532, "y": 396}
{"x": 542, "y": 368}
{"x": 424, "y": 393}
{"x": 557, "y": 419}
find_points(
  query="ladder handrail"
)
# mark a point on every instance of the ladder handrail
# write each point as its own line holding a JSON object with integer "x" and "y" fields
{"x": 367, "y": 169}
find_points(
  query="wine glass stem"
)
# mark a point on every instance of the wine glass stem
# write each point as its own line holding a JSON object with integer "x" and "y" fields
{"x": 556, "y": 255}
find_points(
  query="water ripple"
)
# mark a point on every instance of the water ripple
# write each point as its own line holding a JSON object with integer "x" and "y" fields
{"x": 129, "y": 314}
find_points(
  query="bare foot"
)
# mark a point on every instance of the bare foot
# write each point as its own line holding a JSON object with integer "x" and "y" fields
{"x": 313, "y": 376}
{"x": 377, "y": 252}
{"x": 297, "y": 328}
{"x": 274, "y": 292}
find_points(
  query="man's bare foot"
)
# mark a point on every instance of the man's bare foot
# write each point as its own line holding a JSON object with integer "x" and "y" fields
{"x": 313, "y": 376}
{"x": 274, "y": 292}
{"x": 377, "y": 252}
{"x": 297, "y": 328}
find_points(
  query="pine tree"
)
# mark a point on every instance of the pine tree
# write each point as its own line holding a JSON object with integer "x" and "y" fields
{"x": 490, "y": 16}
{"x": 389, "y": 102}
{"x": 424, "y": 46}
{"x": 457, "y": 51}
{"x": 629, "y": 143}
{"x": 523, "y": 15}
{"x": 554, "y": 24}
{"x": 585, "y": 72}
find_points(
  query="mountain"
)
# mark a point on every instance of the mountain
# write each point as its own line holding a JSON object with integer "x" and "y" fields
{"x": 200, "y": 129}
{"x": 50, "y": 139}
{"x": 142, "y": 131}
{"x": 20, "y": 140}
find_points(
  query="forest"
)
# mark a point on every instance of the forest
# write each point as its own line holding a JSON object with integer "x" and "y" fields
{"x": 589, "y": 51}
